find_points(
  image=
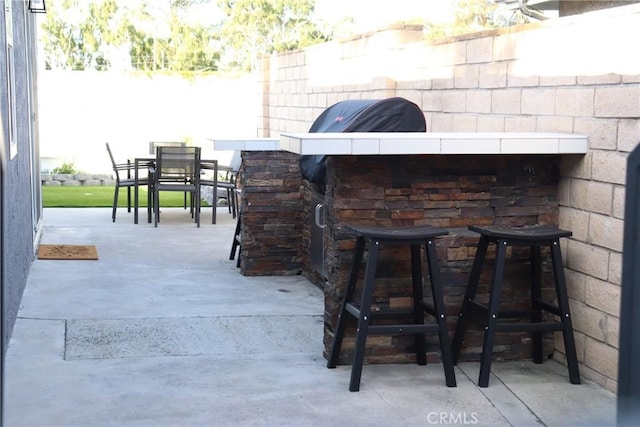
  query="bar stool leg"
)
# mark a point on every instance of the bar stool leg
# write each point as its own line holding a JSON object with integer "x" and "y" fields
{"x": 494, "y": 303}
{"x": 347, "y": 297}
{"x": 470, "y": 293}
{"x": 536, "y": 308}
{"x": 236, "y": 241}
{"x": 418, "y": 312}
{"x": 149, "y": 202}
{"x": 440, "y": 310}
{"x": 363, "y": 320}
{"x": 565, "y": 316}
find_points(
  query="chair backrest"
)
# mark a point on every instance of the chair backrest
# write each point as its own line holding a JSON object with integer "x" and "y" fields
{"x": 153, "y": 145}
{"x": 113, "y": 162}
{"x": 178, "y": 163}
{"x": 116, "y": 167}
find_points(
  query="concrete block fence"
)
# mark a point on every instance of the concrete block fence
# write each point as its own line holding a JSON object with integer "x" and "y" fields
{"x": 76, "y": 180}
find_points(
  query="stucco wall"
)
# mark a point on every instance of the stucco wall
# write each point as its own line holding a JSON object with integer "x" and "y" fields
{"x": 577, "y": 74}
{"x": 18, "y": 222}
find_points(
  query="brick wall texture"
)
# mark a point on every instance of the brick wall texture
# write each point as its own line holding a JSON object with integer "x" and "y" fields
{"x": 577, "y": 74}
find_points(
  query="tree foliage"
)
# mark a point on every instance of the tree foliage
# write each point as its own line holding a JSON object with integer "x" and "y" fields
{"x": 254, "y": 28}
{"x": 165, "y": 40}
{"x": 70, "y": 42}
{"x": 155, "y": 35}
{"x": 151, "y": 35}
{"x": 473, "y": 15}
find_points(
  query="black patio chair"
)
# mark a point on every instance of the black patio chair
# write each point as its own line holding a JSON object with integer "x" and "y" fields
{"x": 153, "y": 146}
{"x": 124, "y": 179}
{"x": 177, "y": 169}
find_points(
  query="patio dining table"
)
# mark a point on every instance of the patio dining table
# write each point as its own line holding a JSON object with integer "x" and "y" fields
{"x": 147, "y": 161}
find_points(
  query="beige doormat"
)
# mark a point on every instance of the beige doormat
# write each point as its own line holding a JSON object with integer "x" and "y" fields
{"x": 72, "y": 252}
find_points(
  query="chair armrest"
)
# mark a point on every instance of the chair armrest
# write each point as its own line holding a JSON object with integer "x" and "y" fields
{"x": 123, "y": 166}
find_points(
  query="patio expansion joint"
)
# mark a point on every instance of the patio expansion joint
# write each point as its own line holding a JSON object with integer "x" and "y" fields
{"x": 505, "y": 400}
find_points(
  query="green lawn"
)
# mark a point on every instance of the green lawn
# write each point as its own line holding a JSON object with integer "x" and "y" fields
{"x": 102, "y": 196}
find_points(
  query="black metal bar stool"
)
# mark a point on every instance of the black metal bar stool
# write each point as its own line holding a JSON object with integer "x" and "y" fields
{"x": 236, "y": 245}
{"x": 535, "y": 237}
{"x": 415, "y": 237}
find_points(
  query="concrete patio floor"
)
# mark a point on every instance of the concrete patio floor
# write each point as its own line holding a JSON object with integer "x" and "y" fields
{"x": 162, "y": 330}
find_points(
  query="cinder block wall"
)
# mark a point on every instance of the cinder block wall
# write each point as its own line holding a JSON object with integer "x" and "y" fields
{"x": 578, "y": 74}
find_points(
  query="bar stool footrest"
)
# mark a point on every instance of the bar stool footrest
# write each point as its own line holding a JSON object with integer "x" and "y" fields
{"x": 529, "y": 327}
{"x": 409, "y": 329}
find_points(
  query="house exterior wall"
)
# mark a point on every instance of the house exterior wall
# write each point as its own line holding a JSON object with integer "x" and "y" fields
{"x": 577, "y": 74}
{"x": 19, "y": 226}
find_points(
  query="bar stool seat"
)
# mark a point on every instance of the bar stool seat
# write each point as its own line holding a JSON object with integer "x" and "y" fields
{"x": 536, "y": 237}
{"x": 373, "y": 237}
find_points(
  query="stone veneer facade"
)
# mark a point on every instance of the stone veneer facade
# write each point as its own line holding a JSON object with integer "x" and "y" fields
{"x": 271, "y": 208}
{"x": 451, "y": 192}
{"x": 577, "y": 74}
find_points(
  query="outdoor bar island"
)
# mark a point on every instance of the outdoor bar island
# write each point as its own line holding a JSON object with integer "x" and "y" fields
{"x": 449, "y": 180}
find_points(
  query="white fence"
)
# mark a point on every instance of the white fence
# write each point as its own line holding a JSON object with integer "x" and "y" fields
{"x": 81, "y": 110}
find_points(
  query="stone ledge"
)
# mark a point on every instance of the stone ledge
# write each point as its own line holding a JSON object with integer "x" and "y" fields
{"x": 74, "y": 180}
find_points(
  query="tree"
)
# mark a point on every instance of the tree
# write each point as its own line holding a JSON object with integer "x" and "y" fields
{"x": 164, "y": 40}
{"x": 473, "y": 14}
{"x": 469, "y": 16}
{"x": 254, "y": 28}
{"x": 90, "y": 34}
{"x": 79, "y": 43}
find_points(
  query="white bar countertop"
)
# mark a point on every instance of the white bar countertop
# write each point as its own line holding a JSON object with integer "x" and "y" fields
{"x": 390, "y": 143}
{"x": 371, "y": 143}
{"x": 246, "y": 144}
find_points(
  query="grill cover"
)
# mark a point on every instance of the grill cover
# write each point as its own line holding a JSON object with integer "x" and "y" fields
{"x": 361, "y": 115}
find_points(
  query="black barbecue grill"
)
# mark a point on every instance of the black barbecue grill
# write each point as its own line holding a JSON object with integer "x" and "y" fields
{"x": 358, "y": 115}
{"x": 361, "y": 115}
